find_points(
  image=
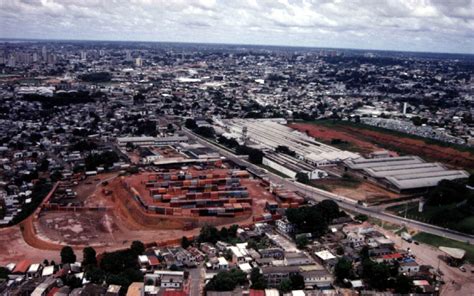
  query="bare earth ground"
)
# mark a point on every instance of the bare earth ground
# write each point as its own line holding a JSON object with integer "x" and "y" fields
{"x": 365, "y": 192}
{"x": 367, "y": 140}
{"x": 326, "y": 134}
{"x": 107, "y": 230}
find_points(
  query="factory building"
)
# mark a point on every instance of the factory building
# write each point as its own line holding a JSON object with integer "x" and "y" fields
{"x": 403, "y": 174}
{"x": 291, "y": 166}
{"x": 271, "y": 133}
{"x": 151, "y": 141}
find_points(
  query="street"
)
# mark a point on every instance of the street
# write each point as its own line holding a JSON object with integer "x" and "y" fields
{"x": 317, "y": 194}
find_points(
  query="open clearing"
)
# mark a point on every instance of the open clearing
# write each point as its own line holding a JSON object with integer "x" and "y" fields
{"x": 437, "y": 241}
{"x": 108, "y": 218}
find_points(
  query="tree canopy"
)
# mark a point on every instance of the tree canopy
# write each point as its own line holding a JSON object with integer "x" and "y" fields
{"x": 227, "y": 280}
{"x": 314, "y": 219}
{"x": 67, "y": 255}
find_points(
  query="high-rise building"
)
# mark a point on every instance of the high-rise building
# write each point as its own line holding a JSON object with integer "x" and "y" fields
{"x": 128, "y": 55}
{"x": 44, "y": 53}
{"x": 11, "y": 61}
{"x": 83, "y": 55}
{"x": 138, "y": 62}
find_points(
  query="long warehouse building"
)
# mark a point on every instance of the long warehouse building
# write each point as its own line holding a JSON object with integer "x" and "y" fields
{"x": 271, "y": 134}
{"x": 403, "y": 174}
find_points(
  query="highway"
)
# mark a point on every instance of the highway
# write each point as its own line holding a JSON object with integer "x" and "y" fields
{"x": 317, "y": 194}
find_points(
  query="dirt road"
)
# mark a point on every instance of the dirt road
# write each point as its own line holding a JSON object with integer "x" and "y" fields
{"x": 457, "y": 282}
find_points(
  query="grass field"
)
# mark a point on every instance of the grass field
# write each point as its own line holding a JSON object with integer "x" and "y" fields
{"x": 437, "y": 241}
{"x": 429, "y": 212}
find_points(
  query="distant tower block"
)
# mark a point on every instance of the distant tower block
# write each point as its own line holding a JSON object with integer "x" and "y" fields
{"x": 405, "y": 108}
{"x": 138, "y": 62}
{"x": 421, "y": 205}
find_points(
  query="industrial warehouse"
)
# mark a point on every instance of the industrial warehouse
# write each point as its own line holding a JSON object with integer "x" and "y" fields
{"x": 403, "y": 174}
{"x": 272, "y": 133}
{"x": 291, "y": 166}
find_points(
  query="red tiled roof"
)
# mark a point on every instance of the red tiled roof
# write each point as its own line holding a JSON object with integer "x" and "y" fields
{"x": 53, "y": 291}
{"x": 392, "y": 256}
{"x": 153, "y": 260}
{"x": 174, "y": 293}
{"x": 257, "y": 293}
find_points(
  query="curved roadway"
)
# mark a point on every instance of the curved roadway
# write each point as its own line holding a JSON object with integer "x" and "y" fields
{"x": 317, "y": 194}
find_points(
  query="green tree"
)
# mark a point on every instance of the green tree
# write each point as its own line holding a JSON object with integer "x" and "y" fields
{"x": 4, "y": 272}
{"x": 227, "y": 280}
{"x": 302, "y": 177}
{"x": 301, "y": 241}
{"x": 67, "y": 255}
{"x": 343, "y": 269}
{"x": 185, "y": 242}
{"x": 361, "y": 217}
{"x": 137, "y": 248}
{"x": 190, "y": 124}
{"x": 297, "y": 281}
{"x": 257, "y": 279}
{"x": 285, "y": 286}
{"x": 95, "y": 275}
{"x": 403, "y": 284}
{"x": 89, "y": 257}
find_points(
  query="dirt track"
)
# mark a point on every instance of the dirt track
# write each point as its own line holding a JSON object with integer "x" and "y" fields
{"x": 369, "y": 140}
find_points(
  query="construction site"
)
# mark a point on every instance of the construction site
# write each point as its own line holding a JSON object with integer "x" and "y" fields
{"x": 153, "y": 205}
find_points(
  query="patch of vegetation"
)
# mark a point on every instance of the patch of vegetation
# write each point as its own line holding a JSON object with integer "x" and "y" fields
{"x": 63, "y": 98}
{"x": 106, "y": 159}
{"x": 450, "y": 205}
{"x": 314, "y": 219}
{"x": 285, "y": 150}
{"x": 40, "y": 190}
{"x": 437, "y": 241}
{"x": 227, "y": 280}
{"x": 255, "y": 155}
{"x": 211, "y": 234}
{"x": 96, "y": 77}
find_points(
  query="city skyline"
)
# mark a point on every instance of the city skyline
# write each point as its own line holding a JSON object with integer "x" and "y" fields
{"x": 426, "y": 26}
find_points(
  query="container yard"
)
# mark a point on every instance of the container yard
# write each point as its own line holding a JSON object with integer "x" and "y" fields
{"x": 220, "y": 193}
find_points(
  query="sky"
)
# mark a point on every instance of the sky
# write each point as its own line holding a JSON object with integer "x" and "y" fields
{"x": 407, "y": 25}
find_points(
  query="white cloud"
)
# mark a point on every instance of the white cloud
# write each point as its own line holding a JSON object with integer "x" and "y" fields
{"x": 436, "y": 25}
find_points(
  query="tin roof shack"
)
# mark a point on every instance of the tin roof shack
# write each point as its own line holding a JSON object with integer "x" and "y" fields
{"x": 402, "y": 174}
{"x": 454, "y": 256}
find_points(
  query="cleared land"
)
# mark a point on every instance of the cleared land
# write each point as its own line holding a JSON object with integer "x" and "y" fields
{"x": 437, "y": 241}
{"x": 367, "y": 139}
{"x": 108, "y": 218}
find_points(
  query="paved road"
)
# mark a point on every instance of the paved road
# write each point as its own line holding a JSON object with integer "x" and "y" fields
{"x": 196, "y": 276}
{"x": 317, "y": 194}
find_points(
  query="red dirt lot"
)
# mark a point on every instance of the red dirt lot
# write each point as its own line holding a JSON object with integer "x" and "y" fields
{"x": 368, "y": 139}
{"x": 325, "y": 134}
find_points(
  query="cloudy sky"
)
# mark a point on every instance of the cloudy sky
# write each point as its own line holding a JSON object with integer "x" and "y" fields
{"x": 418, "y": 25}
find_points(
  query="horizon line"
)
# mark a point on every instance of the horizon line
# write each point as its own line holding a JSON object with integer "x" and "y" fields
{"x": 232, "y": 44}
